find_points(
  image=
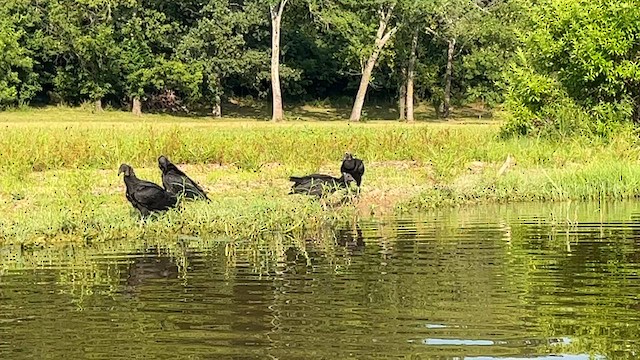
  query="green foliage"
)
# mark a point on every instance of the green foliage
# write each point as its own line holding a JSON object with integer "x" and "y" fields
{"x": 578, "y": 71}
{"x": 16, "y": 83}
{"x": 486, "y": 50}
{"x": 170, "y": 74}
{"x": 72, "y": 52}
{"x": 217, "y": 41}
{"x": 485, "y": 40}
{"x": 354, "y": 20}
{"x": 85, "y": 39}
{"x": 141, "y": 37}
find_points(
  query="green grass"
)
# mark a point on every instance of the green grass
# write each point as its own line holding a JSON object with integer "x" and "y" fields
{"x": 57, "y": 139}
{"x": 59, "y": 171}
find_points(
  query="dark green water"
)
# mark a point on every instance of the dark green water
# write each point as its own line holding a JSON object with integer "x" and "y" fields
{"x": 523, "y": 282}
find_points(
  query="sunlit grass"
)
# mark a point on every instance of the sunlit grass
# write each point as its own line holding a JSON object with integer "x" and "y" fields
{"x": 59, "y": 171}
{"x": 89, "y": 204}
{"x": 64, "y": 139}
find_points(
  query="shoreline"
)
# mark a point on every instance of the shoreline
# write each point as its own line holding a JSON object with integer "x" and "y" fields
{"x": 60, "y": 182}
{"x": 83, "y": 206}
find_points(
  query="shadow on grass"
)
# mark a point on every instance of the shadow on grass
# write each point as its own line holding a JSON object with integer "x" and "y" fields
{"x": 323, "y": 111}
{"x": 342, "y": 112}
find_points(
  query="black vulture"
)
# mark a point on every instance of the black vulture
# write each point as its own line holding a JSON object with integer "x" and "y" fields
{"x": 319, "y": 184}
{"x": 144, "y": 195}
{"x": 178, "y": 183}
{"x": 353, "y": 167}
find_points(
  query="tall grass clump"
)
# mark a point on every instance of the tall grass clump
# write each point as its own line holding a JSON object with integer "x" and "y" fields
{"x": 48, "y": 146}
{"x": 594, "y": 182}
{"x": 87, "y": 143}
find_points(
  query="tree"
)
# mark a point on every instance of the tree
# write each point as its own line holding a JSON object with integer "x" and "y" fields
{"x": 383, "y": 35}
{"x": 114, "y": 51}
{"x": 411, "y": 69}
{"x": 453, "y": 20}
{"x": 275, "y": 11}
{"x": 15, "y": 62}
{"x": 83, "y": 46}
{"x": 414, "y": 16}
{"x": 456, "y": 28}
{"x": 356, "y": 21}
{"x": 578, "y": 70}
{"x": 169, "y": 76}
{"x": 141, "y": 36}
{"x": 217, "y": 40}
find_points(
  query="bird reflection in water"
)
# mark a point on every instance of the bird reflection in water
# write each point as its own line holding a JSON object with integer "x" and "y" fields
{"x": 350, "y": 237}
{"x": 145, "y": 270}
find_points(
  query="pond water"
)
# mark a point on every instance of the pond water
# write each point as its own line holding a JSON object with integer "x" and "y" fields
{"x": 514, "y": 282}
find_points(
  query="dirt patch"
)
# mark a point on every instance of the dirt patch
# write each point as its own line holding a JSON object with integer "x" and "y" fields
{"x": 204, "y": 167}
{"x": 396, "y": 164}
{"x": 373, "y": 202}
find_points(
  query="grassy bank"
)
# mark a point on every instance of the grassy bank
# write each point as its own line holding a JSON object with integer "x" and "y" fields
{"x": 70, "y": 139}
{"x": 59, "y": 171}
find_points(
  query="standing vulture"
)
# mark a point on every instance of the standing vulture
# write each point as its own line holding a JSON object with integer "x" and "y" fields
{"x": 178, "y": 183}
{"x": 145, "y": 196}
{"x": 353, "y": 167}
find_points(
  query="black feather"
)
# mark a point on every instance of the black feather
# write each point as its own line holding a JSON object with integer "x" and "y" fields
{"x": 146, "y": 196}
{"x": 353, "y": 167}
{"x": 319, "y": 184}
{"x": 177, "y": 182}
{"x": 352, "y": 170}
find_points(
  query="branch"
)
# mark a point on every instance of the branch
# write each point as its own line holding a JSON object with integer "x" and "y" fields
{"x": 282, "y": 4}
{"x": 484, "y": 10}
{"x": 272, "y": 12}
{"x": 462, "y": 45}
{"x": 385, "y": 17}
{"x": 489, "y": 5}
{"x": 387, "y": 36}
{"x": 382, "y": 26}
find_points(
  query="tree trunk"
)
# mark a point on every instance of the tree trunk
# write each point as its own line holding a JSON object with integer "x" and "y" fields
{"x": 410, "y": 76}
{"x": 381, "y": 40}
{"x": 447, "y": 78}
{"x": 356, "y": 111}
{"x": 217, "y": 108}
{"x": 98, "y": 105}
{"x": 276, "y": 19}
{"x": 217, "y": 100}
{"x": 402, "y": 101}
{"x": 136, "y": 107}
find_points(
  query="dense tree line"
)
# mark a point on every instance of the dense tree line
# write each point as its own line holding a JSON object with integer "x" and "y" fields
{"x": 194, "y": 54}
{"x": 561, "y": 65}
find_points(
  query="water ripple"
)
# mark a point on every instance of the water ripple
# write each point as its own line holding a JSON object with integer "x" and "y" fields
{"x": 436, "y": 287}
